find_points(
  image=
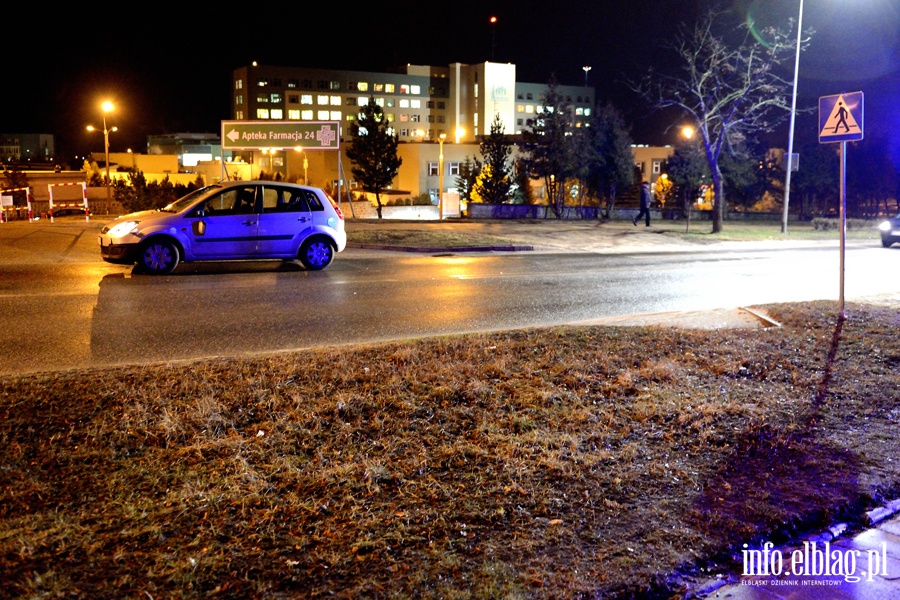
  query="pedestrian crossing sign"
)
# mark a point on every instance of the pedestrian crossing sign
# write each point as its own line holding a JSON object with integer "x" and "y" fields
{"x": 841, "y": 118}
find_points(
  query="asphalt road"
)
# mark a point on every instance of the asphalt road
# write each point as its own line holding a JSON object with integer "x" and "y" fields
{"x": 62, "y": 307}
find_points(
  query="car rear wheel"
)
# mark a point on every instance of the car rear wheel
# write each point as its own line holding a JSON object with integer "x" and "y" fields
{"x": 886, "y": 242}
{"x": 158, "y": 257}
{"x": 316, "y": 253}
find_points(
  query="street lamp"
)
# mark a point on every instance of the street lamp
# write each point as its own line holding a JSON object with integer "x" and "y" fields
{"x": 441, "y": 139}
{"x": 585, "y": 69}
{"x": 107, "y": 107}
{"x": 493, "y": 37}
{"x": 790, "y": 149}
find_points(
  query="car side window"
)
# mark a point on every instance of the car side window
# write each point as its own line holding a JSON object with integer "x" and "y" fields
{"x": 278, "y": 200}
{"x": 244, "y": 201}
{"x": 220, "y": 204}
{"x": 314, "y": 203}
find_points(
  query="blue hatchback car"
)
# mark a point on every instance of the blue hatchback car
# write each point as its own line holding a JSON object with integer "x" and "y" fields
{"x": 237, "y": 220}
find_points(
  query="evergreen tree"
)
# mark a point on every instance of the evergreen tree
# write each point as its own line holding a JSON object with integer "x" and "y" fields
{"x": 493, "y": 186}
{"x": 548, "y": 147}
{"x": 465, "y": 181}
{"x": 373, "y": 151}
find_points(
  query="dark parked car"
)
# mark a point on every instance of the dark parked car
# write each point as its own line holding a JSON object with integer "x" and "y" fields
{"x": 237, "y": 220}
{"x": 890, "y": 231}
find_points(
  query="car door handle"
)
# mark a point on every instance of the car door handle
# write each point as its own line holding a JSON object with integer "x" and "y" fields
{"x": 248, "y": 223}
{"x": 303, "y": 219}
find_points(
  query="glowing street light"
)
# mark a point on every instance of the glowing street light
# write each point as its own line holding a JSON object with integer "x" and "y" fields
{"x": 493, "y": 37}
{"x": 585, "y": 69}
{"x": 441, "y": 139}
{"x": 107, "y": 107}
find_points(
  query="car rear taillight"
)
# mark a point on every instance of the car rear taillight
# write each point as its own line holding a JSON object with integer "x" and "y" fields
{"x": 337, "y": 208}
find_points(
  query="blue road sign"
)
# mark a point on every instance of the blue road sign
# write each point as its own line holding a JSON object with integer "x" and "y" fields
{"x": 841, "y": 118}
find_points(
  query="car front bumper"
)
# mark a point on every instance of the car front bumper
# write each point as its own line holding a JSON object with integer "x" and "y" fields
{"x": 120, "y": 254}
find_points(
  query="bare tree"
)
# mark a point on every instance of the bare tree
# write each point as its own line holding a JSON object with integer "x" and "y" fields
{"x": 729, "y": 89}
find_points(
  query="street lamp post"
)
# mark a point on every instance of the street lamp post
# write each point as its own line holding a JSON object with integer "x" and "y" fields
{"x": 790, "y": 149}
{"x": 688, "y": 133}
{"x": 441, "y": 139}
{"x": 107, "y": 107}
{"x": 585, "y": 69}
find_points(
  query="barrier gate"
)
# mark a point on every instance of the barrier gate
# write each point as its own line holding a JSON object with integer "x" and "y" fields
{"x": 84, "y": 200}
{"x": 27, "y": 191}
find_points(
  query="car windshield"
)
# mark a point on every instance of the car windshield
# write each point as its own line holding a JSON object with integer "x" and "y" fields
{"x": 185, "y": 201}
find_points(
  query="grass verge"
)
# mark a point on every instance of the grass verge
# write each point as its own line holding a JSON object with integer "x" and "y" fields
{"x": 550, "y": 463}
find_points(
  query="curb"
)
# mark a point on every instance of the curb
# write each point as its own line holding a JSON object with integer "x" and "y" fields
{"x": 443, "y": 249}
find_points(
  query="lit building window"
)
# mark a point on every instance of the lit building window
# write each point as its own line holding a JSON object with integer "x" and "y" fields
{"x": 432, "y": 169}
{"x": 415, "y": 103}
{"x": 404, "y": 88}
{"x": 322, "y": 100}
{"x": 306, "y": 115}
{"x": 239, "y": 84}
{"x": 335, "y": 100}
{"x": 415, "y": 89}
{"x": 379, "y": 101}
{"x": 389, "y": 88}
{"x": 294, "y": 115}
{"x": 378, "y": 87}
{"x": 335, "y": 115}
{"x": 362, "y": 86}
{"x": 262, "y": 113}
{"x": 277, "y": 114}
{"x": 322, "y": 115}
{"x": 362, "y": 101}
{"x": 306, "y": 99}
{"x": 454, "y": 168}
{"x": 404, "y": 103}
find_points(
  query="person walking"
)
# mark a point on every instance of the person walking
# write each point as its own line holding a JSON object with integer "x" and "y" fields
{"x": 645, "y": 205}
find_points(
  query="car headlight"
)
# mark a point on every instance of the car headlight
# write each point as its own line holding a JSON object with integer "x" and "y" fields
{"x": 885, "y": 226}
{"x": 124, "y": 228}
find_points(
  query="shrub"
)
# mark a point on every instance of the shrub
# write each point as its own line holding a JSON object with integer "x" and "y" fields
{"x": 824, "y": 224}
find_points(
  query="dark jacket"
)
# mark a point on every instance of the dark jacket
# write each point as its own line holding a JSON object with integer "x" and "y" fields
{"x": 645, "y": 196}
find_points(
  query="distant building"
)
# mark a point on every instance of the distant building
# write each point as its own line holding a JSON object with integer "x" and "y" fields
{"x": 191, "y": 148}
{"x": 27, "y": 148}
{"x": 423, "y": 102}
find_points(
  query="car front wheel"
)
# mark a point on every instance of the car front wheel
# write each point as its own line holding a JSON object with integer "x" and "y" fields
{"x": 316, "y": 253}
{"x": 158, "y": 257}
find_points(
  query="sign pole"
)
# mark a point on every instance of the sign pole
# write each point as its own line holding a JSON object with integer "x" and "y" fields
{"x": 843, "y": 160}
{"x": 841, "y": 120}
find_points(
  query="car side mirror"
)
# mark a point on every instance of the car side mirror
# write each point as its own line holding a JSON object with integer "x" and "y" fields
{"x": 199, "y": 227}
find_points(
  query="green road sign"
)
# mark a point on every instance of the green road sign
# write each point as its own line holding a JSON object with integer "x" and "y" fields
{"x": 265, "y": 135}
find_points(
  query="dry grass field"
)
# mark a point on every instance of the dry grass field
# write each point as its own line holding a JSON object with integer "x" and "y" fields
{"x": 572, "y": 462}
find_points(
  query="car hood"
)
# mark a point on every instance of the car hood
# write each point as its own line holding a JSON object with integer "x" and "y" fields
{"x": 142, "y": 215}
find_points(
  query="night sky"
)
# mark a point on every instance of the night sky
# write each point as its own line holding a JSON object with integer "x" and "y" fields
{"x": 169, "y": 70}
